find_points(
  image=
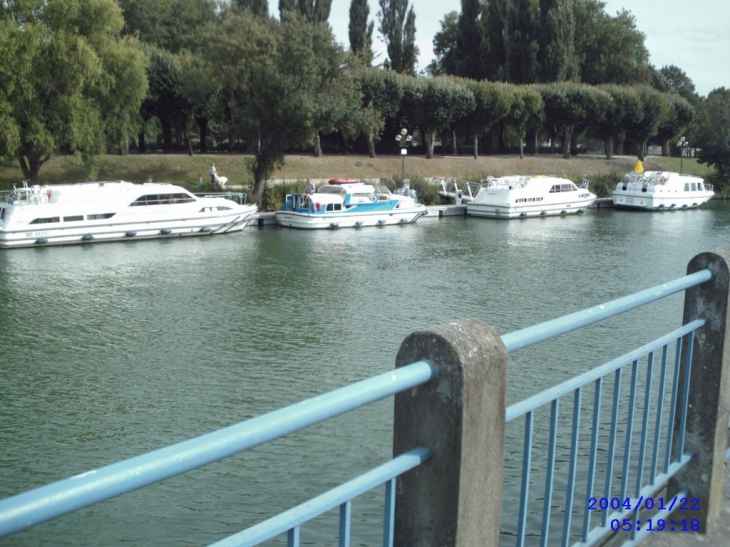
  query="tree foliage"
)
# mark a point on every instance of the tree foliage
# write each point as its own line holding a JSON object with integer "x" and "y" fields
{"x": 398, "y": 29}
{"x": 360, "y": 31}
{"x": 173, "y": 25}
{"x": 73, "y": 81}
{"x": 278, "y": 77}
{"x": 713, "y": 138}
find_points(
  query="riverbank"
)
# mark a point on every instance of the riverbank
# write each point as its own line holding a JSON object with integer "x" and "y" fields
{"x": 186, "y": 170}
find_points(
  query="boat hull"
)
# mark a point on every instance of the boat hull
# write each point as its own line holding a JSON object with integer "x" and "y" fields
{"x": 320, "y": 221}
{"x": 646, "y": 202}
{"x": 126, "y": 231}
{"x": 507, "y": 211}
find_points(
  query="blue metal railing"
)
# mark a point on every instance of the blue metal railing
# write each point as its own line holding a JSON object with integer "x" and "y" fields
{"x": 54, "y": 500}
{"x": 634, "y": 465}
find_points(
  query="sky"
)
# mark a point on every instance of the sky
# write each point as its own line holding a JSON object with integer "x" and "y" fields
{"x": 695, "y": 36}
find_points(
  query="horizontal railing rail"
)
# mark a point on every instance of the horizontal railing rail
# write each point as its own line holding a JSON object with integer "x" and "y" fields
{"x": 562, "y": 325}
{"x": 54, "y": 500}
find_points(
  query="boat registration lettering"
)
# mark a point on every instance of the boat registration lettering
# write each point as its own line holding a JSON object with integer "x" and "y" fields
{"x": 42, "y": 233}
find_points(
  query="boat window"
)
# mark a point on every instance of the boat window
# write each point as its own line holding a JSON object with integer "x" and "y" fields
{"x": 694, "y": 186}
{"x": 73, "y": 218}
{"x": 338, "y": 207}
{"x": 47, "y": 220}
{"x": 2, "y": 213}
{"x": 361, "y": 198}
{"x": 686, "y": 186}
{"x": 330, "y": 207}
{"x": 100, "y": 216}
{"x": 162, "y": 199}
{"x": 224, "y": 208}
{"x": 700, "y": 187}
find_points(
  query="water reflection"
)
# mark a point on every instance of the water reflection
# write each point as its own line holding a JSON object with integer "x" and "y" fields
{"x": 112, "y": 350}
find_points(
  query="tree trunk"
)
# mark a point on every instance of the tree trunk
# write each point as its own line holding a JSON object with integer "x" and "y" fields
{"x": 567, "y": 135}
{"x": 476, "y": 145}
{"x": 455, "y": 148}
{"x": 203, "y": 132}
{"x": 142, "y": 143}
{"x": 317, "y": 145}
{"x": 522, "y": 146}
{"x": 188, "y": 142}
{"x": 430, "y": 138}
{"x": 371, "y": 145}
{"x": 166, "y": 135}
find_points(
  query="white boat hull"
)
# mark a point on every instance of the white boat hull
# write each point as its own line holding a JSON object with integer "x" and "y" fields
{"x": 125, "y": 231}
{"x": 659, "y": 203}
{"x": 307, "y": 221}
{"x": 528, "y": 210}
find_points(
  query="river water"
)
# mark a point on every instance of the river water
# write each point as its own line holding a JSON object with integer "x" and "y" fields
{"x": 113, "y": 350}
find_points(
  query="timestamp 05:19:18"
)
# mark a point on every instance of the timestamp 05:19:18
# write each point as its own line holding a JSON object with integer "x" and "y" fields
{"x": 656, "y": 525}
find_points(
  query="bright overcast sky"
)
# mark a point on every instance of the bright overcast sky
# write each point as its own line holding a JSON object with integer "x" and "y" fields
{"x": 695, "y": 36}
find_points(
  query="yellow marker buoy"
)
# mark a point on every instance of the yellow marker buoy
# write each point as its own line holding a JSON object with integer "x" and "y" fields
{"x": 638, "y": 168}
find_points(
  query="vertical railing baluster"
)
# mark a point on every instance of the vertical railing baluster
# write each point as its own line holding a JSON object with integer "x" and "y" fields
{"x": 292, "y": 537}
{"x": 612, "y": 441}
{"x": 592, "y": 462}
{"x": 644, "y": 435}
{"x": 389, "y": 519}
{"x": 525, "y": 490}
{"x": 659, "y": 412}
{"x": 571, "y": 471}
{"x": 673, "y": 406}
{"x": 685, "y": 397}
{"x": 629, "y": 429}
{"x": 345, "y": 520}
{"x": 550, "y": 473}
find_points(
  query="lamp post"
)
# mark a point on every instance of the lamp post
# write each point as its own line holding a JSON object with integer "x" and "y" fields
{"x": 404, "y": 139}
{"x": 682, "y": 144}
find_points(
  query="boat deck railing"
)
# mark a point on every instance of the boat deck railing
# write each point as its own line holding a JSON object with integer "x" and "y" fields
{"x": 646, "y": 452}
{"x": 452, "y": 188}
{"x": 239, "y": 197}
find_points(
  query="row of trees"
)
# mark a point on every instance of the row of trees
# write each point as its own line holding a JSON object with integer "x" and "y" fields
{"x": 78, "y": 76}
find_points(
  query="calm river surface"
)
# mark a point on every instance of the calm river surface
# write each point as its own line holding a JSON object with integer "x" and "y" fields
{"x": 113, "y": 350}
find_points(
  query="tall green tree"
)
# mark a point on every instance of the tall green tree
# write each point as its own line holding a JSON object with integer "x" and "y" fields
{"x": 470, "y": 41}
{"x": 381, "y": 92}
{"x": 360, "y": 31}
{"x": 524, "y": 42}
{"x": 610, "y": 49}
{"x": 73, "y": 79}
{"x": 257, "y": 7}
{"x": 527, "y": 105}
{"x": 713, "y": 137}
{"x": 680, "y": 83}
{"x": 278, "y": 78}
{"x": 447, "y": 59}
{"x": 498, "y": 37}
{"x": 398, "y": 29}
{"x": 287, "y": 6}
{"x": 492, "y": 103}
{"x": 315, "y": 11}
{"x": 173, "y": 25}
{"x": 559, "y": 59}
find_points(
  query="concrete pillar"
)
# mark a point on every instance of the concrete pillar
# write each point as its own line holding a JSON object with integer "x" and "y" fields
{"x": 709, "y": 392}
{"x": 454, "y": 499}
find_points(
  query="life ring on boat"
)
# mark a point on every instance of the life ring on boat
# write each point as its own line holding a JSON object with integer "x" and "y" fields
{"x": 317, "y": 206}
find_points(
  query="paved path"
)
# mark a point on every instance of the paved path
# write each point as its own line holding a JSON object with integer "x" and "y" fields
{"x": 719, "y": 537}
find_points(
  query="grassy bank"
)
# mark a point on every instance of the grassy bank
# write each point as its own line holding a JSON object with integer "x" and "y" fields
{"x": 185, "y": 170}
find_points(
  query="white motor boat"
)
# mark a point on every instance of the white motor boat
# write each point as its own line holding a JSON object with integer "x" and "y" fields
{"x": 528, "y": 196}
{"x": 661, "y": 191}
{"x": 348, "y": 203}
{"x": 112, "y": 211}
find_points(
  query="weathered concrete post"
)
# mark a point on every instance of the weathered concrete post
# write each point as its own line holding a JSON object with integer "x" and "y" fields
{"x": 709, "y": 391}
{"x": 454, "y": 499}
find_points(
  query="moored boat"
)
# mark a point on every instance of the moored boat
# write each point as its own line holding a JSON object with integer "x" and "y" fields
{"x": 527, "y": 196}
{"x": 348, "y": 203}
{"x": 661, "y": 191}
{"x": 112, "y": 211}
